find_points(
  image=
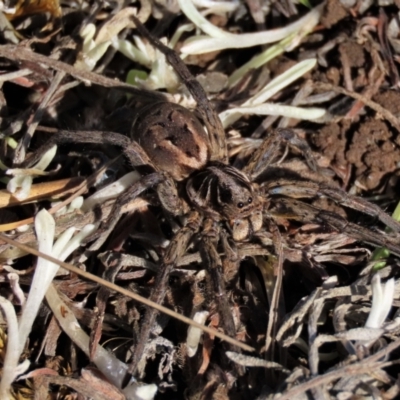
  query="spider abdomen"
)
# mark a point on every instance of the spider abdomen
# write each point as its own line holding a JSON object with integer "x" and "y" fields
{"x": 173, "y": 138}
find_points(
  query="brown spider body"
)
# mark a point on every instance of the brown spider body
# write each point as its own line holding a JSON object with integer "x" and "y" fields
{"x": 176, "y": 143}
{"x": 173, "y": 138}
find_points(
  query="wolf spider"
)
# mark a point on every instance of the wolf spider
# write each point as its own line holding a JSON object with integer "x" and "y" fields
{"x": 222, "y": 201}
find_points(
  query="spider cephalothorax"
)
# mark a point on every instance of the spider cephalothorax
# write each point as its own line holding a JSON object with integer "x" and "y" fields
{"x": 221, "y": 190}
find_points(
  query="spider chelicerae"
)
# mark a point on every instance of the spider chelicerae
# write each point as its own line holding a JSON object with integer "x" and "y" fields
{"x": 221, "y": 206}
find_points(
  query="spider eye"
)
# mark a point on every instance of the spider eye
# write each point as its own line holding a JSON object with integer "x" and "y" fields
{"x": 240, "y": 205}
{"x": 250, "y": 200}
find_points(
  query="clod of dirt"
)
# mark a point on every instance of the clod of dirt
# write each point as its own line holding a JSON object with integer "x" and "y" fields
{"x": 333, "y": 13}
{"x": 354, "y": 53}
{"x": 390, "y": 100}
{"x": 331, "y": 140}
{"x": 373, "y": 152}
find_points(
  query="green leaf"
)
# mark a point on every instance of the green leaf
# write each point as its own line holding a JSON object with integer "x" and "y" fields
{"x": 136, "y": 73}
{"x": 305, "y": 3}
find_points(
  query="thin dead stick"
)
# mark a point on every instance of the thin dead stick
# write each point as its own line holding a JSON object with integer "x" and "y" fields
{"x": 125, "y": 292}
{"x": 395, "y": 122}
{"x": 368, "y": 93}
{"x": 19, "y": 53}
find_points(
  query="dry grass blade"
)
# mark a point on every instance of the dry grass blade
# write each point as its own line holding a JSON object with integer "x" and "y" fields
{"x": 54, "y": 189}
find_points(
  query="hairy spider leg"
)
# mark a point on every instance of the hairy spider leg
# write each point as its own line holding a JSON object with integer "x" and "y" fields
{"x": 211, "y": 259}
{"x": 215, "y": 267}
{"x": 132, "y": 151}
{"x": 136, "y": 156}
{"x": 266, "y": 154}
{"x": 144, "y": 183}
{"x": 296, "y": 189}
{"x": 175, "y": 250}
{"x": 307, "y": 213}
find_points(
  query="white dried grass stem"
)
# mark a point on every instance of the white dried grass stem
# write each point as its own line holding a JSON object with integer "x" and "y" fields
{"x": 75, "y": 242}
{"x": 75, "y": 204}
{"x": 62, "y": 211}
{"x": 23, "y": 228}
{"x": 46, "y": 159}
{"x": 188, "y": 8}
{"x": 62, "y": 240}
{"x": 178, "y": 33}
{"x": 46, "y": 270}
{"x": 132, "y": 52}
{"x": 230, "y": 116}
{"x": 12, "y": 352}
{"x": 110, "y": 191}
{"x": 25, "y": 188}
{"x": 44, "y": 273}
{"x": 194, "y": 334}
{"x": 23, "y": 178}
{"x": 219, "y": 39}
{"x": 259, "y": 60}
{"x": 93, "y": 56}
{"x": 162, "y": 75}
{"x": 382, "y": 300}
{"x": 139, "y": 391}
{"x": 25, "y": 172}
{"x": 87, "y": 34}
{"x": 217, "y": 7}
{"x": 282, "y": 81}
{"x": 14, "y": 183}
{"x": 16, "y": 288}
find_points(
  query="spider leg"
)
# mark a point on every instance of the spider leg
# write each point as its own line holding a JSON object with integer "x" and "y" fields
{"x": 265, "y": 155}
{"x": 212, "y": 261}
{"x": 230, "y": 256}
{"x": 134, "y": 191}
{"x": 213, "y": 124}
{"x": 175, "y": 251}
{"x": 295, "y": 189}
{"x": 307, "y": 213}
{"x": 133, "y": 152}
{"x": 215, "y": 266}
{"x": 136, "y": 156}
